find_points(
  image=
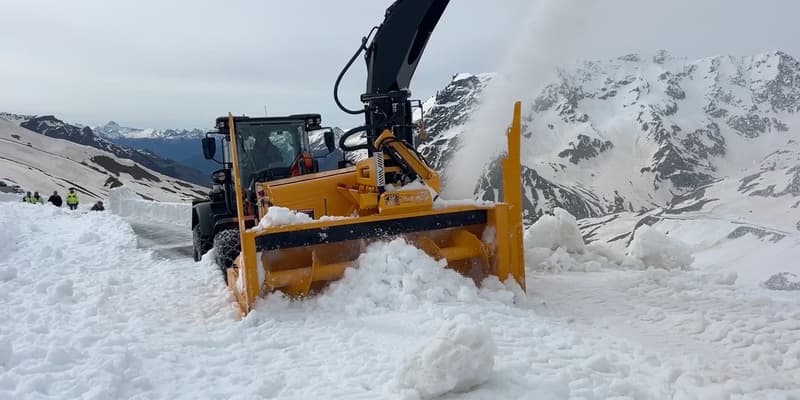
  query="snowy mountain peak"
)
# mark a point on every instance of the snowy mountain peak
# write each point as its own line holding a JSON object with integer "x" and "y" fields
{"x": 15, "y": 118}
{"x": 633, "y": 132}
{"x": 113, "y": 130}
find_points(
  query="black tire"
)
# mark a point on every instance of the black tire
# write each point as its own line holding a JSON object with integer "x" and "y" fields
{"x": 226, "y": 249}
{"x": 201, "y": 244}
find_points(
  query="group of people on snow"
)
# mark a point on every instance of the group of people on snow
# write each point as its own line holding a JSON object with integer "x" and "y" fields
{"x": 55, "y": 199}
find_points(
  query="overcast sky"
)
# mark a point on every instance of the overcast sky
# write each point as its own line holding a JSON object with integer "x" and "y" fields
{"x": 180, "y": 64}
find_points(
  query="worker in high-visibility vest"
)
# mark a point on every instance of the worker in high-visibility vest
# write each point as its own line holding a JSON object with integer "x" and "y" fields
{"x": 72, "y": 199}
{"x": 28, "y": 198}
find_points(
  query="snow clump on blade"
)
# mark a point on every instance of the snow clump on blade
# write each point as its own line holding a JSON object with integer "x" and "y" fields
{"x": 395, "y": 276}
{"x": 278, "y": 216}
{"x": 459, "y": 358}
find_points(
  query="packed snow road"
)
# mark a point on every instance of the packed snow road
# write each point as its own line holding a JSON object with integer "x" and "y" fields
{"x": 88, "y": 314}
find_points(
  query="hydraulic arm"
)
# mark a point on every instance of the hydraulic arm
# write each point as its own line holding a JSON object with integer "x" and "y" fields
{"x": 392, "y": 58}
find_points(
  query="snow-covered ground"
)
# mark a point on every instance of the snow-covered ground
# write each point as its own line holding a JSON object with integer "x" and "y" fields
{"x": 87, "y": 314}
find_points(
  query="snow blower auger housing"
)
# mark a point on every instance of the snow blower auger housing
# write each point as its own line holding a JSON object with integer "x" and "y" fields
{"x": 352, "y": 207}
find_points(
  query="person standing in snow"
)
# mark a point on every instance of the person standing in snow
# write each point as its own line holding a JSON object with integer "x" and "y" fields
{"x": 55, "y": 199}
{"x": 72, "y": 199}
{"x": 28, "y": 198}
{"x": 98, "y": 206}
{"x": 37, "y": 199}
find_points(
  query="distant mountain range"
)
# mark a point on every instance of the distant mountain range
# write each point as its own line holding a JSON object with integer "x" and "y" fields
{"x": 58, "y": 156}
{"x": 181, "y": 145}
{"x": 152, "y": 158}
{"x": 113, "y": 131}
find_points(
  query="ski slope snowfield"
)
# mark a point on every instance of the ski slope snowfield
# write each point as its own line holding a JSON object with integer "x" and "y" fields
{"x": 40, "y": 163}
{"x": 88, "y": 313}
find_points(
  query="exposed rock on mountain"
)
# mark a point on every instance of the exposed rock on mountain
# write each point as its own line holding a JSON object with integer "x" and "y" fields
{"x": 632, "y": 133}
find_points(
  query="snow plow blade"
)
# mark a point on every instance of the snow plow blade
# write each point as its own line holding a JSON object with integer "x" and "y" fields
{"x": 478, "y": 240}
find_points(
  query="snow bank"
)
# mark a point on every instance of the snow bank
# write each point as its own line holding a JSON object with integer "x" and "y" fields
{"x": 126, "y": 203}
{"x": 554, "y": 231}
{"x": 554, "y": 243}
{"x": 459, "y": 358}
{"x": 11, "y": 197}
{"x": 656, "y": 249}
{"x": 9, "y": 236}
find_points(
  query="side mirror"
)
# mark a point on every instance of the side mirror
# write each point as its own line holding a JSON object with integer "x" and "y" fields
{"x": 209, "y": 147}
{"x": 330, "y": 140}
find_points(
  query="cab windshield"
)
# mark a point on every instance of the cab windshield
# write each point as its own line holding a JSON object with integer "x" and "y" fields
{"x": 266, "y": 151}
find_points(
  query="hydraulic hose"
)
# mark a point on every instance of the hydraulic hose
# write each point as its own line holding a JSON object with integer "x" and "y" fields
{"x": 347, "y": 66}
{"x": 347, "y": 135}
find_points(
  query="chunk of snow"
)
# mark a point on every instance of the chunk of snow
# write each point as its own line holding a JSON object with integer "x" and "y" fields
{"x": 459, "y": 358}
{"x": 554, "y": 231}
{"x": 554, "y": 243}
{"x": 656, "y": 249}
{"x": 279, "y": 216}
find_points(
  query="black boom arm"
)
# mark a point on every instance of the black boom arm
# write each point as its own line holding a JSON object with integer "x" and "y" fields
{"x": 392, "y": 57}
{"x": 394, "y": 53}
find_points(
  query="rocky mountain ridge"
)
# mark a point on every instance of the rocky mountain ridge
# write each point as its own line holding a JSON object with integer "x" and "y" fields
{"x": 51, "y": 126}
{"x": 113, "y": 130}
{"x": 632, "y": 133}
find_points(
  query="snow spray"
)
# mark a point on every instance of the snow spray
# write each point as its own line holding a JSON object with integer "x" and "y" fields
{"x": 544, "y": 42}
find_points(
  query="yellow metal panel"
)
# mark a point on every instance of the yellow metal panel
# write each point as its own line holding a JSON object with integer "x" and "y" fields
{"x": 248, "y": 262}
{"x": 405, "y": 201}
{"x": 512, "y": 195}
{"x": 321, "y": 192}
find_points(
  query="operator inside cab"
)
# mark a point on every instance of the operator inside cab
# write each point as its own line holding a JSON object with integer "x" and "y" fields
{"x": 267, "y": 151}
{"x": 262, "y": 146}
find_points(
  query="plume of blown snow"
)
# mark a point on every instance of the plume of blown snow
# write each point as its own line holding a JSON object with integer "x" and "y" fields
{"x": 655, "y": 249}
{"x": 544, "y": 43}
{"x": 555, "y": 244}
{"x": 554, "y": 231}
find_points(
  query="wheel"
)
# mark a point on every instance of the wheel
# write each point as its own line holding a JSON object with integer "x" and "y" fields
{"x": 201, "y": 244}
{"x": 226, "y": 249}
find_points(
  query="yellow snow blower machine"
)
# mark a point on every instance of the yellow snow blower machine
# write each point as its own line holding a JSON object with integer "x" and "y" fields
{"x": 279, "y": 219}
